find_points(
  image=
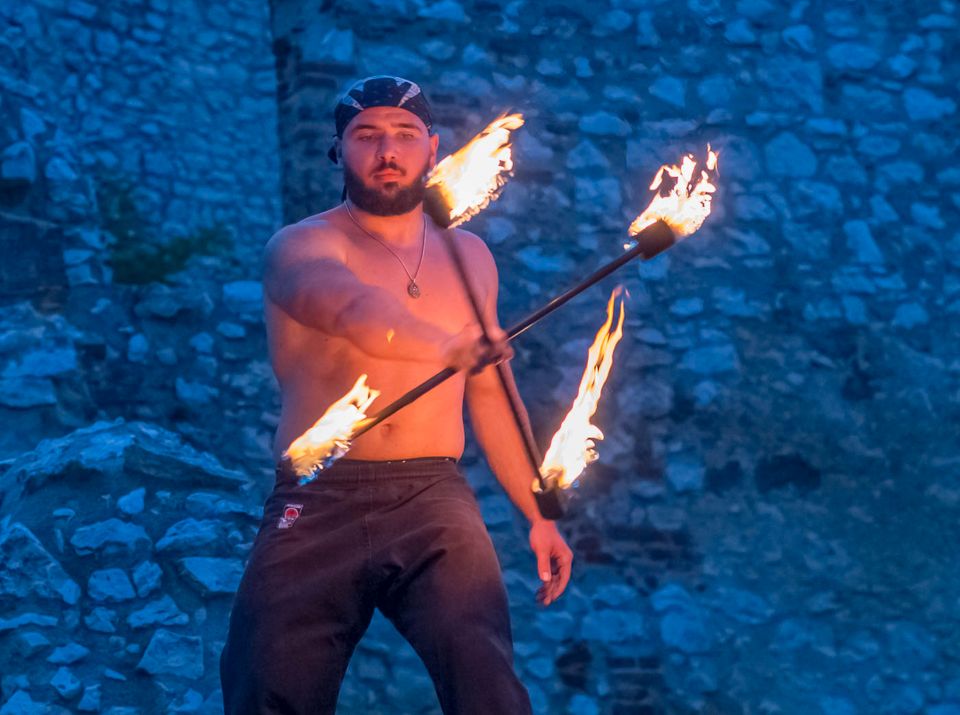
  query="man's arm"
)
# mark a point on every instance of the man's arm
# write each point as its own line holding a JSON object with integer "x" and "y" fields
{"x": 498, "y": 436}
{"x": 490, "y": 413}
{"x": 501, "y": 441}
{"x": 305, "y": 275}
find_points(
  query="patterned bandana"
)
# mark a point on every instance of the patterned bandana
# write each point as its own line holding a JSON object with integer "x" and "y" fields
{"x": 379, "y": 91}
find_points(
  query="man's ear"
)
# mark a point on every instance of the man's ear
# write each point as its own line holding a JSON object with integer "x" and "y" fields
{"x": 434, "y": 145}
{"x": 335, "y": 152}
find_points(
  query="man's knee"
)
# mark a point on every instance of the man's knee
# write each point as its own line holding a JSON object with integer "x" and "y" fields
{"x": 469, "y": 614}
{"x": 274, "y": 680}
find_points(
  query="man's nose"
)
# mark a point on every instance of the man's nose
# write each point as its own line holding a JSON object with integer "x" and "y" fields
{"x": 387, "y": 148}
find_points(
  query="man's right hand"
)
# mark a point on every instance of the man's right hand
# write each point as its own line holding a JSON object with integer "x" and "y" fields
{"x": 470, "y": 350}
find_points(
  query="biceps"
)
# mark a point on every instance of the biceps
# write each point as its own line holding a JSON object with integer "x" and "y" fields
{"x": 311, "y": 294}
{"x": 490, "y": 302}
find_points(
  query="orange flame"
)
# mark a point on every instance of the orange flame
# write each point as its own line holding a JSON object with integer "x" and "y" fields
{"x": 329, "y": 438}
{"x": 684, "y": 207}
{"x": 472, "y": 177}
{"x": 572, "y": 447}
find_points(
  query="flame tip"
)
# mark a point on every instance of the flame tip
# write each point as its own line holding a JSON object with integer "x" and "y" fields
{"x": 686, "y": 205}
{"x": 473, "y": 176}
{"x": 329, "y": 437}
{"x": 573, "y": 446}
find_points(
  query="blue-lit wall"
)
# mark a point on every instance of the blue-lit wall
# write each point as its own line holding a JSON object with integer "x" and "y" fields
{"x": 766, "y": 529}
{"x": 772, "y": 523}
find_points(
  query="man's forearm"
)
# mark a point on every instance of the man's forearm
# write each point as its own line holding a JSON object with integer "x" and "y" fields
{"x": 325, "y": 295}
{"x": 501, "y": 442}
{"x": 379, "y": 326}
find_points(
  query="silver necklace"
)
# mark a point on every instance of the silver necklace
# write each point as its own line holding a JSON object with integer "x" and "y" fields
{"x": 412, "y": 288}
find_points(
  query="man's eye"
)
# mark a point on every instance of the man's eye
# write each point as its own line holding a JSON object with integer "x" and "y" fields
{"x": 406, "y": 135}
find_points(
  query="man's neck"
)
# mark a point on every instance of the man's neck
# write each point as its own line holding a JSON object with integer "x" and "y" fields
{"x": 400, "y": 231}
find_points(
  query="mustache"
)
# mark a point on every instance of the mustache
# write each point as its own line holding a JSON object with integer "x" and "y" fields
{"x": 389, "y": 166}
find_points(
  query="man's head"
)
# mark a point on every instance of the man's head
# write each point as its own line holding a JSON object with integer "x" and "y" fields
{"x": 385, "y": 144}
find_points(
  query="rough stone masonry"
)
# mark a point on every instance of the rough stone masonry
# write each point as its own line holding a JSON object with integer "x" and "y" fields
{"x": 771, "y": 526}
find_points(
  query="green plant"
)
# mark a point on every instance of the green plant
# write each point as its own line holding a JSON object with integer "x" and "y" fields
{"x": 137, "y": 255}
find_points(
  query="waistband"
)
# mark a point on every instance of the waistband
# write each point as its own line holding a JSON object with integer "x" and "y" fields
{"x": 355, "y": 471}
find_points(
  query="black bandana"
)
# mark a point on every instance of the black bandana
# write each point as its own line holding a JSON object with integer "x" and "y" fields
{"x": 379, "y": 91}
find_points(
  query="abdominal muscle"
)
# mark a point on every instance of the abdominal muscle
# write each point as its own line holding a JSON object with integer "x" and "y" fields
{"x": 315, "y": 370}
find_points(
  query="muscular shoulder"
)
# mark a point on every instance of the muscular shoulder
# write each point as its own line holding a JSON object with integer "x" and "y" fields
{"x": 478, "y": 256}
{"x": 304, "y": 241}
{"x": 299, "y": 254}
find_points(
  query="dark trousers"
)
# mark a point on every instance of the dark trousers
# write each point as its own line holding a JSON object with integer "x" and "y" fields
{"x": 403, "y": 536}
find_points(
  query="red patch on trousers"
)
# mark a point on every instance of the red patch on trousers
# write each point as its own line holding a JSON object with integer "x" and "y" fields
{"x": 290, "y": 514}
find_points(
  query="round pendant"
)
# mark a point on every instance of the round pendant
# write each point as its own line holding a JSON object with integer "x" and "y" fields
{"x": 413, "y": 289}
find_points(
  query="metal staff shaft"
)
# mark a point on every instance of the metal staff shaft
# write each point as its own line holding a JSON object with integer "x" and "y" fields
{"x": 651, "y": 241}
{"x": 530, "y": 446}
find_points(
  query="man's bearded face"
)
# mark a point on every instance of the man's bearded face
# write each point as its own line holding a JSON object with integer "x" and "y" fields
{"x": 387, "y": 154}
{"x": 389, "y": 198}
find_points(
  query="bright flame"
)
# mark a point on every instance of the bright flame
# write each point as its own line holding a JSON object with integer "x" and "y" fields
{"x": 472, "y": 177}
{"x": 684, "y": 207}
{"x": 572, "y": 447}
{"x": 329, "y": 438}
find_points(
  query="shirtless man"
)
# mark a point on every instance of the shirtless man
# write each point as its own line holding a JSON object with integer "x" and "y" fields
{"x": 368, "y": 287}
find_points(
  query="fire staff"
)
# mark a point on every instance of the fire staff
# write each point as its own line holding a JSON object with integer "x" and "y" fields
{"x": 367, "y": 288}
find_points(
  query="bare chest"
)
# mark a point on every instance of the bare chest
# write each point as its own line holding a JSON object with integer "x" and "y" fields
{"x": 441, "y": 297}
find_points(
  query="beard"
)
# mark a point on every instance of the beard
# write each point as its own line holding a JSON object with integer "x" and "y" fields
{"x": 379, "y": 202}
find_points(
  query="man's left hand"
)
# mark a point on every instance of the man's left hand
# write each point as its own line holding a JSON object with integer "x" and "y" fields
{"x": 554, "y": 559}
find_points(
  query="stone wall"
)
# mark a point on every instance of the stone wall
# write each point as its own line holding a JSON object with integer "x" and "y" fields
{"x": 780, "y": 468}
{"x": 772, "y": 523}
{"x": 123, "y": 128}
{"x": 178, "y": 99}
